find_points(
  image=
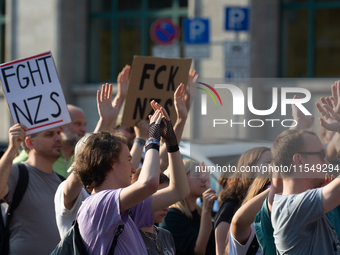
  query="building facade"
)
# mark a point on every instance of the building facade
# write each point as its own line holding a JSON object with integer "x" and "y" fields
{"x": 92, "y": 40}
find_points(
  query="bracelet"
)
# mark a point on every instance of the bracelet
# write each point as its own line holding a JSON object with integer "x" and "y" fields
{"x": 139, "y": 141}
{"x": 151, "y": 143}
{"x": 151, "y": 140}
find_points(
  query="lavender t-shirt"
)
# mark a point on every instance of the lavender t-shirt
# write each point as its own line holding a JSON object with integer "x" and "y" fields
{"x": 99, "y": 217}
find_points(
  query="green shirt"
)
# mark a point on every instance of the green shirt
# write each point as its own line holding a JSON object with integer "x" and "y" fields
{"x": 264, "y": 230}
{"x": 60, "y": 166}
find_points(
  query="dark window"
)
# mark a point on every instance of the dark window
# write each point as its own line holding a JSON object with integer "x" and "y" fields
{"x": 119, "y": 29}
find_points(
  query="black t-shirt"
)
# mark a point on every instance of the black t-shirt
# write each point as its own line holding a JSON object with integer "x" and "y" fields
{"x": 226, "y": 212}
{"x": 185, "y": 232}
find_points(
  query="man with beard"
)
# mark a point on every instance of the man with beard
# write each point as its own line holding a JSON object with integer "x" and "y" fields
{"x": 298, "y": 214}
{"x": 70, "y": 135}
{"x": 33, "y": 229}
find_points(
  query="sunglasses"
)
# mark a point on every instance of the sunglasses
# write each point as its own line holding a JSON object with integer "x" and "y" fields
{"x": 321, "y": 153}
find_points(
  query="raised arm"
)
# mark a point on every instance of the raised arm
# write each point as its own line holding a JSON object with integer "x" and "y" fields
{"x": 334, "y": 103}
{"x": 330, "y": 110}
{"x": 182, "y": 114}
{"x": 331, "y": 121}
{"x": 141, "y": 130}
{"x": 190, "y": 90}
{"x": 303, "y": 121}
{"x": 16, "y": 136}
{"x": 178, "y": 187}
{"x": 245, "y": 216}
{"x": 108, "y": 109}
{"x": 147, "y": 183}
{"x": 107, "y": 118}
{"x": 333, "y": 148}
{"x": 209, "y": 196}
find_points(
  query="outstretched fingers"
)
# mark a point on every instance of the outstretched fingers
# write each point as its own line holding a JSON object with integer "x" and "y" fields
{"x": 156, "y": 117}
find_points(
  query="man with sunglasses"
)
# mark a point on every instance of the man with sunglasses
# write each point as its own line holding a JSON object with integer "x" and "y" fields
{"x": 298, "y": 214}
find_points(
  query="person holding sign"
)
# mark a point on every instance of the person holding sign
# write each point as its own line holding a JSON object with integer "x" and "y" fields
{"x": 70, "y": 135}
{"x": 33, "y": 228}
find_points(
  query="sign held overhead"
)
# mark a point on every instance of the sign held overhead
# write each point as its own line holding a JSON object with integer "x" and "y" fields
{"x": 33, "y": 93}
{"x": 153, "y": 79}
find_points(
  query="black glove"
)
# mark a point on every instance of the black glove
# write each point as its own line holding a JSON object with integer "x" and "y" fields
{"x": 154, "y": 135}
{"x": 169, "y": 136}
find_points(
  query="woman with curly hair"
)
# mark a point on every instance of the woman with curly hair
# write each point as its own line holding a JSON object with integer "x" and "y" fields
{"x": 234, "y": 191}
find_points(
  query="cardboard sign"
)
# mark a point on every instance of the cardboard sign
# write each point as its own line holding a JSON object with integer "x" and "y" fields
{"x": 153, "y": 79}
{"x": 33, "y": 93}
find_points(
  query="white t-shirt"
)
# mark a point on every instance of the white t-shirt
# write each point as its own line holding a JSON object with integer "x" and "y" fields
{"x": 65, "y": 217}
{"x": 235, "y": 248}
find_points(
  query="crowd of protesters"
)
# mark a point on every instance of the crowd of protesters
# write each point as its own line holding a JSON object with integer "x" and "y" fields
{"x": 110, "y": 183}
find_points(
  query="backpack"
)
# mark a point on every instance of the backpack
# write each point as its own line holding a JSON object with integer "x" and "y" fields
{"x": 72, "y": 242}
{"x": 19, "y": 192}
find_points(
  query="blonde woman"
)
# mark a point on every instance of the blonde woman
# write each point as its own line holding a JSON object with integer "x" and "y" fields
{"x": 234, "y": 192}
{"x": 191, "y": 227}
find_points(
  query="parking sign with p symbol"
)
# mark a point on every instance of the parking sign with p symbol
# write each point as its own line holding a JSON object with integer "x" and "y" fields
{"x": 196, "y": 31}
{"x": 237, "y": 19}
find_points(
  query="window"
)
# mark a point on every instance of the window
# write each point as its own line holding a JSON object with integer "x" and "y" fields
{"x": 310, "y": 45}
{"x": 119, "y": 29}
{"x": 2, "y": 31}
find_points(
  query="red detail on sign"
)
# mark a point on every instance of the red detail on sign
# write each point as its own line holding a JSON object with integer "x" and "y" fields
{"x": 24, "y": 59}
{"x": 164, "y": 31}
{"x": 45, "y": 125}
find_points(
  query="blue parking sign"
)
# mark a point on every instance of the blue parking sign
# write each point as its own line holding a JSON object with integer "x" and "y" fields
{"x": 237, "y": 19}
{"x": 196, "y": 31}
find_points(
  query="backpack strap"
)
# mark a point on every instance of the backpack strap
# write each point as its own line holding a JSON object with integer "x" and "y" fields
{"x": 2, "y": 235}
{"x": 78, "y": 240}
{"x": 254, "y": 246}
{"x": 19, "y": 192}
{"x": 115, "y": 239}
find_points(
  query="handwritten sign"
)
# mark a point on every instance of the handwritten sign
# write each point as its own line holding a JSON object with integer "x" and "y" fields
{"x": 153, "y": 79}
{"x": 33, "y": 93}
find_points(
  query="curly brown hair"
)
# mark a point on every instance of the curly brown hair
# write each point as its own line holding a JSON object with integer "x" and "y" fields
{"x": 236, "y": 187}
{"x": 96, "y": 157}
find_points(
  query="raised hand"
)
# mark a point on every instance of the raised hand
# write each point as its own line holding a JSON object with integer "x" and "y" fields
{"x": 331, "y": 119}
{"x": 190, "y": 88}
{"x": 167, "y": 131}
{"x": 328, "y": 179}
{"x": 302, "y": 120}
{"x": 155, "y": 106}
{"x": 209, "y": 196}
{"x": 123, "y": 81}
{"x": 141, "y": 129}
{"x": 17, "y": 134}
{"x": 107, "y": 111}
{"x": 154, "y": 133}
{"x": 104, "y": 102}
{"x": 180, "y": 105}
